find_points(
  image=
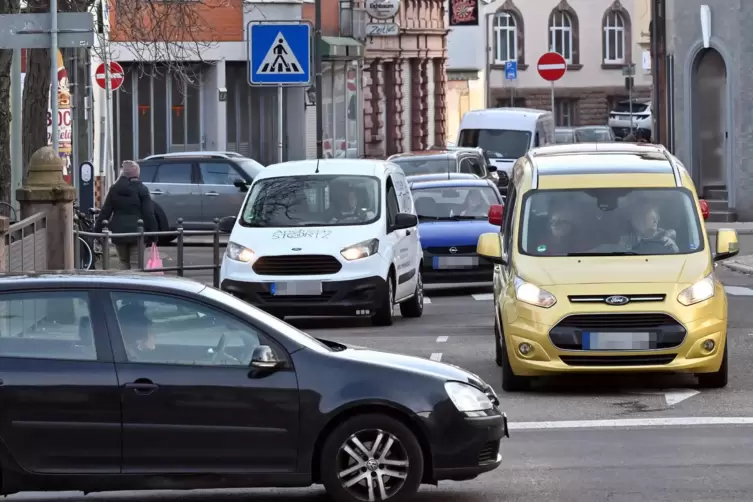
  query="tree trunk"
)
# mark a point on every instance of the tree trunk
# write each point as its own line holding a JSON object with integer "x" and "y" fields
{"x": 36, "y": 103}
{"x": 6, "y": 57}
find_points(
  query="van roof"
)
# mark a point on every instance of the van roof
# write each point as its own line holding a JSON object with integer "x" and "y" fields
{"x": 503, "y": 118}
{"x": 366, "y": 167}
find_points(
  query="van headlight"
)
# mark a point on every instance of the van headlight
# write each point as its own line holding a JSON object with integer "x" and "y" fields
{"x": 239, "y": 253}
{"x": 534, "y": 295}
{"x": 467, "y": 398}
{"x": 698, "y": 292}
{"x": 361, "y": 250}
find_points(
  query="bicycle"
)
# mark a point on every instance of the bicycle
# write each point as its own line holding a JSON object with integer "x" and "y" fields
{"x": 90, "y": 249}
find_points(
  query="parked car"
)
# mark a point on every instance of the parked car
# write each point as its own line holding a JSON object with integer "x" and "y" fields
{"x": 593, "y": 134}
{"x": 197, "y": 186}
{"x": 130, "y": 382}
{"x": 564, "y": 135}
{"x": 619, "y": 118}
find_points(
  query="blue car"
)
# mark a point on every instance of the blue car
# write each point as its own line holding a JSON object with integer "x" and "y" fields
{"x": 452, "y": 214}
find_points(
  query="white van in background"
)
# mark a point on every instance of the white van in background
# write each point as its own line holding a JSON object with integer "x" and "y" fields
{"x": 506, "y": 133}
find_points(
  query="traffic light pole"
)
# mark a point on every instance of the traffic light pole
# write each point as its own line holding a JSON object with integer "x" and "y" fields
{"x": 318, "y": 78}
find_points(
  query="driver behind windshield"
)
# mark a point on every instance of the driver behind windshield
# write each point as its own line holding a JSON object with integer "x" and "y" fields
{"x": 475, "y": 205}
{"x": 346, "y": 205}
{"x": 645, "y": 233}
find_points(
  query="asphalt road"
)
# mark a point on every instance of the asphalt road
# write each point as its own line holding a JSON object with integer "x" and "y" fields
{"x": 573, "y": 439}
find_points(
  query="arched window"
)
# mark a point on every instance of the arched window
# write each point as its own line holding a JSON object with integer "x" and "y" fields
{"x": 614, "y": 39}
{"x": 505, "y": 37}
{"x": 561, "y": 34}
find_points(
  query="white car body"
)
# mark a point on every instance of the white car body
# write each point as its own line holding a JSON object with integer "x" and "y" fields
{"x": 619, "y": 118}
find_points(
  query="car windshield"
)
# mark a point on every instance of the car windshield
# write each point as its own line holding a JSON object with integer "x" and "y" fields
{"x": 312, "y": 201}
{"x": 498, "y": 143}
{"x": 437, "y": 165}
{"x": 454, "y": 203}
{"x": 250, "y": 166}
{"x": 563, "y": 137}
{"x": 592, "y": 135}
{"x": 610, "y": 222}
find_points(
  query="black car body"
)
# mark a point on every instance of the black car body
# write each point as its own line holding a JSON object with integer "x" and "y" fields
{"x": 216, "y": 394}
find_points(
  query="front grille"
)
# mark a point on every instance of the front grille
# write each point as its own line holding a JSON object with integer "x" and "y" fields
{"x": 603, "y": 298}
{"x": 445, "y": 250}
{"x": 504, "y": 180}
{"x": 323, "y": 298}
{"x": 488, "y": 452}
{"x": 665, "y": 332}
{"x": 313, "y": 264}
{"x": 643, "y": 360}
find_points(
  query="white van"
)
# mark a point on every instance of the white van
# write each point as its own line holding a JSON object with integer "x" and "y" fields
{"x": 506, "y": 133}
{"x": 335, "y": 237}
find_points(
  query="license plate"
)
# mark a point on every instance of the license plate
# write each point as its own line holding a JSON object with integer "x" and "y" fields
{"x": 616, "y": 341}
{"x": 296, "y": 288}
{"x": 449, "y": 262}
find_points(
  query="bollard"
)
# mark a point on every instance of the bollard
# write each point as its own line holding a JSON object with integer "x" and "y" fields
{"x": 140, "y": 247}
{"x": 76, "y": 244}
{"x": 180, "y": 247}
{"x": 105, "y": 246}
{"x": 216, "y": 269}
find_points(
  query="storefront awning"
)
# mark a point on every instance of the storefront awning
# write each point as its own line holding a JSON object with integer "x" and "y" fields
{"x": 341, "y": 48}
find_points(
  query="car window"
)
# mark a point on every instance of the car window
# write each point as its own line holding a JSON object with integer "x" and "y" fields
{"x": 169, "y": 330}
{"x": 393, "y": 206}
{"x": 147, "y": 172}
{"x": 174, "y": 173}
{"x": 465, "y": 166}
{"x": 449, "y": 203}
{"x": 477, "y": 167}
{"x": 431, "y": 165}
{"x": 218, "y": 173}
{"x": 46, "y": 325}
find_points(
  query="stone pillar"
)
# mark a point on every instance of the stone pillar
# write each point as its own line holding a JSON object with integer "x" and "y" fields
{"x": 45, "y": 191}
{"x": 4, "y": 223}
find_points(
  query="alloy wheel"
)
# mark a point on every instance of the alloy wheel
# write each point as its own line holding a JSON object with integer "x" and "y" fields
{"x": 372, "y": 465}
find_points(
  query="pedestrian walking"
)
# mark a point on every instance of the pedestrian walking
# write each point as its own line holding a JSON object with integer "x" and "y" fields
{"x": 127, "y": 202}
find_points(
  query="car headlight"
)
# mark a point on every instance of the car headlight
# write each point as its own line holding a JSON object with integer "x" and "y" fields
{"x": 239, "y": 253}
{"x": 534, "y": 295}
{"x": 698, "y": 292}
{"x": 467, "y": 398}
{"x": 361, "y": 250}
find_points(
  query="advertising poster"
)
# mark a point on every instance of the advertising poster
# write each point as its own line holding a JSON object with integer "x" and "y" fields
{"x": 463, "y": 12}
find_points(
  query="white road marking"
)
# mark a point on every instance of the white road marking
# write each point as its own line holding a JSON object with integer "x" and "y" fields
{"x": 427, "y": 300}
{"x": 436, "y": 356}
{"x": 673, "y": 397}
{"x": 483, "y": 296}
{"x": 442, "y": 339}
{"x": 630, "y": 422}
{"x": 738, "y": 291}
{"x": 556, "y": 66}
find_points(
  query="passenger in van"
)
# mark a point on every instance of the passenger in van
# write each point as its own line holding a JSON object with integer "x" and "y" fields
{"x": 645, "y": 235}
{"x": 562, "y": 238}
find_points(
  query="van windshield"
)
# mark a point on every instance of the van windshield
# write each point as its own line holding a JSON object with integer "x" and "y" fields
{"x": 312, "y": 201}
{"x": 610, "y": 222}
{"x": 498, "y": 143}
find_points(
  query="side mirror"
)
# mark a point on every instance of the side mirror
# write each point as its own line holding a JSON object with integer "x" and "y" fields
{"x": 492, "y": 168}
{"x": 704, "y": 209}
{"x": 264, "y": 358}
{"x": 490, "y": 247}
{"x": 227, "y": 223}
{"x": 727, "y": 244}
{"x": 405, "y": 220}
{"x": 241, "y": 185}
{"x": 496, "y": 214}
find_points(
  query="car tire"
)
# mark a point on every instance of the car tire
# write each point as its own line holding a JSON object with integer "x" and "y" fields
{"x": 414, "y": 307}
{"x": 405, "y": 457}
{"x": 383, "y": 315}
{"x": 163, "y": 226}
{"x": 497, "y": 345}
{"x": 717, "y": 380}
{"x": 510, "y": 381}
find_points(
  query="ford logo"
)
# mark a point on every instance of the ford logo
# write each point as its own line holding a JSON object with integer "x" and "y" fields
{"x": 617, "y": 300}
{"x": 453, "y": 250}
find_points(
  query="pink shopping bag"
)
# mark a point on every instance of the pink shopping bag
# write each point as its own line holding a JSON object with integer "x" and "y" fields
{"x": 154, "y": 260}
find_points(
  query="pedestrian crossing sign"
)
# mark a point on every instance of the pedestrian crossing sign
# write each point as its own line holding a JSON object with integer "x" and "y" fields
{"x": 279, "y": 54}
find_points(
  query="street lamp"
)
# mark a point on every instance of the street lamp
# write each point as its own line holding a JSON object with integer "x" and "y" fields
{"x": 310, "y": 99}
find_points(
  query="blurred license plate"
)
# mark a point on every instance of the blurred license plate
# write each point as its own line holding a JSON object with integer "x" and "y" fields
{"x": 296, "y": 288}
{"x": 442, "y": 262}
{"x": 616, "y": 341}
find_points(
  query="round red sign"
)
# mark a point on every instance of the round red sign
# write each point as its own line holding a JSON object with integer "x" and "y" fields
{"x": 552, "y": 66}
{"x": 116, "y": 76}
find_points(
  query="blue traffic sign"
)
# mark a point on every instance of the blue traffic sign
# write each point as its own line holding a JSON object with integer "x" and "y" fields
{"x": 279, "y": 54}
{"x": 511, "y": 70}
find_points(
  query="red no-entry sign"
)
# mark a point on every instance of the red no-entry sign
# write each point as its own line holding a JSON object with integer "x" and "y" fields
{"x": 116, "y": 76}
{"x": 552, "y": 66}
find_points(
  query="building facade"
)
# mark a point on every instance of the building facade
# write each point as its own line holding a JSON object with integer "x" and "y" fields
{"x": 711, "y": 92}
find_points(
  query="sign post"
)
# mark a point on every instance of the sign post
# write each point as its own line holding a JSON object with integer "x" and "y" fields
{"x": 86, "y": 186}
{"x": 552, "y": 67}
{"x": 511, "y": 74}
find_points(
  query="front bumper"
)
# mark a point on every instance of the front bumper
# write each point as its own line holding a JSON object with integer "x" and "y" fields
{"x": 339, "y": 298}
{"x": 464, "y": 447}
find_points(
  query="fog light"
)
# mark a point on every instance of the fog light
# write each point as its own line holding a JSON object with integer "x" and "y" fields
{"x": 708, "y": 345}
{"x": 525, "y": 348}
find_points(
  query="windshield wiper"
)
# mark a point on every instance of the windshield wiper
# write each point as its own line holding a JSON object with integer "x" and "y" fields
{"x": 611, "y": 253}
{"x": 422, "y": 217}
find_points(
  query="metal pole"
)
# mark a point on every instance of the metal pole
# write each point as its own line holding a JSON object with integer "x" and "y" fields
{"x": 74, "y": 88}
{"x": 16, "y": 144}
{"x": 110, "y": 177}
{"x": 318, "y": 78}
{"x": 54, "y": 74}
{"x": 554, "y": 111}
{"x": 512, "y": 97}
{"x": 487, "y": 63}
{"x": 630, "y": 99}
{"x": 280, "y": 131}
{"x": 89, "y": 108}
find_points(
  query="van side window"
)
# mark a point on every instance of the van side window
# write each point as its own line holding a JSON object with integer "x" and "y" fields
{"x": 469, "y": 137}
{"x": 537, "y": 142}
{"x": 392, "y": 205}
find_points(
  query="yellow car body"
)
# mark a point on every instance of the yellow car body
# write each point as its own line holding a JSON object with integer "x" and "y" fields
{"x": 549, "y": 309}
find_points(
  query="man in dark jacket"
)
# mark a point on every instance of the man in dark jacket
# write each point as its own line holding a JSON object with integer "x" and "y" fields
{"x": 127, "y": 202}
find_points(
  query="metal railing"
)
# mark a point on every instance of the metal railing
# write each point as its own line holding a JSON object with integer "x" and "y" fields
{"x": 142, "y": 236}
{"x": 26, "y": 245}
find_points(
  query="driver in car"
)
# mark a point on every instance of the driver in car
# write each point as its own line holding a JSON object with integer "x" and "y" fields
{"x": 475, "y": 204}
{"x": 135, "y": 326}
{"x": 346, "y": 202}
{"x": 646, "y": 232}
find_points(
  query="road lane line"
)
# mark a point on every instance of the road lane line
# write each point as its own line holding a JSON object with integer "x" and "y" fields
{"x": 630, "y": 422}
{"x": 436, "y": 356}
{"x": 738, "y": 291}
{"x": 483, "y": 297}
{"x": 427, "y": 300}
{"x": 442, "y": 339}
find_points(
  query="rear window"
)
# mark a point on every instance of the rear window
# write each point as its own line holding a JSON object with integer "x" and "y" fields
{"x": 624, "y": 107}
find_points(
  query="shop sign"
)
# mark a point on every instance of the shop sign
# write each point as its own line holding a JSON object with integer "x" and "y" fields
{"x": 382, "y": 9}
{"x": 464, "y": 13}
{"x": 382, "y": 30}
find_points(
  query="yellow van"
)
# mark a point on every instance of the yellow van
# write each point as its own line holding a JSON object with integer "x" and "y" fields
{"x": 603, "y": 265}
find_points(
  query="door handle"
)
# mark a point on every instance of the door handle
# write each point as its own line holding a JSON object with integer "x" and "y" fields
{"x": 211, "y": 194}
{"x": 142, "y": 386}
{"x": 156, "y": 192}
